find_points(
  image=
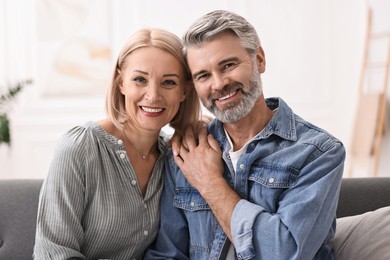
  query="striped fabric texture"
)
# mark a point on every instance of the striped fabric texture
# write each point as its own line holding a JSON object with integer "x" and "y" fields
{"x": 90, "y": 204}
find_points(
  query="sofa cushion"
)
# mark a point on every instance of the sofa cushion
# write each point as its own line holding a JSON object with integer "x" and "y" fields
{"x": 18, "y": 213}
{"x": 365, "y": 236}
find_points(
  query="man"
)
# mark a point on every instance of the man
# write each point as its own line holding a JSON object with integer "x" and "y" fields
{"x": 274, "y": 195}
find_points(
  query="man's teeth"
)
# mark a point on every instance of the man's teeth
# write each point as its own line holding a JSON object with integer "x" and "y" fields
{"x": 152, "y": 110}
{"x": 227, "y": 96}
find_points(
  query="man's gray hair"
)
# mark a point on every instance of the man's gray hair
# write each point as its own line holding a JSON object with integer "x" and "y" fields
{"x": 214, "y": 23}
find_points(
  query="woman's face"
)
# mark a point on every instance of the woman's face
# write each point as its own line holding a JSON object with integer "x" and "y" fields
{"x": 153, "y": 84}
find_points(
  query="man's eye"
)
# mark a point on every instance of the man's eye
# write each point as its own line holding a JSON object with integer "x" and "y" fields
{"x": 228, "y": 66}
{"x": 202, "y": 77}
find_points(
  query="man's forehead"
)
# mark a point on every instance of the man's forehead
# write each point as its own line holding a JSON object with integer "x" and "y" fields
{"x": 215, "y": 51}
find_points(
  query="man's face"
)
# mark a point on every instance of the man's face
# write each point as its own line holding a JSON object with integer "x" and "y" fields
{"x": 227, "y": 79}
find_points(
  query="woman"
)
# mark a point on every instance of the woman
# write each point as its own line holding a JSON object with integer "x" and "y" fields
{"x": 100, "y": 198}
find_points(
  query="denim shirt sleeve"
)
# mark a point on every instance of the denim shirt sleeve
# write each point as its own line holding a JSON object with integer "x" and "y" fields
{"x": 305, "y": 214}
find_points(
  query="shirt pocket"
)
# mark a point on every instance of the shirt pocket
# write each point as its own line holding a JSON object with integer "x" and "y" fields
{"x": 188, "y": 198}
{"x": 267, "y": 183}
{"x": 198, "y": 214}
{"x": 273, "y": 176}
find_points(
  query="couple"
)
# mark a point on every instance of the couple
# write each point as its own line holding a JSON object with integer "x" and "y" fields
{"x": 259, "y": 183}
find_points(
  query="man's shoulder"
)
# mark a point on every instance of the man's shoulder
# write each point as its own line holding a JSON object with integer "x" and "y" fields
{"x": 310, "y": 133}
{"x": 306, "y": 132}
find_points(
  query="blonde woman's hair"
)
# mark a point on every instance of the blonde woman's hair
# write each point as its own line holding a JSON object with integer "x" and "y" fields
{"x": 189, "y": 111}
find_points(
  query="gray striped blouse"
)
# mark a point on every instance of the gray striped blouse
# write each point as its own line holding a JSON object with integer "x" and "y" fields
{"x": 90, "y": 204}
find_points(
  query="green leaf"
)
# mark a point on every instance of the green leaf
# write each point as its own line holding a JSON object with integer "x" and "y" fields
{"x": 4, "y": 129}
{"x": 12, "y": 92}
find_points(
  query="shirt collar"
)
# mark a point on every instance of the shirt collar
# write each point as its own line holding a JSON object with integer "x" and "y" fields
{"x": 281, "y": 124}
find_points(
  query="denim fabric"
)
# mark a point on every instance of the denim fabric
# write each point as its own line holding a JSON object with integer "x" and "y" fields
{"x": 289, "y": 181}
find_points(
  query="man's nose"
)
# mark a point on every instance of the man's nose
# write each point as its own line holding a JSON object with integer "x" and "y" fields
{"x": 220, "y": 81}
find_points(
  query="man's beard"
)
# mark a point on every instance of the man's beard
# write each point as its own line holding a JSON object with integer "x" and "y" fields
{"x": 237, "y": 111}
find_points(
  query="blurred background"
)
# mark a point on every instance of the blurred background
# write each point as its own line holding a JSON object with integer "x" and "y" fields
{"x": 57, "y": 58}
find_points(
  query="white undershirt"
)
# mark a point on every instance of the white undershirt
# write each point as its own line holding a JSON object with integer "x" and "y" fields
{"x": 235, "y": 156}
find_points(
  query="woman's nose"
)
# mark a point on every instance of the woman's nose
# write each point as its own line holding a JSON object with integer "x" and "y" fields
{"x": 153, "y": 92}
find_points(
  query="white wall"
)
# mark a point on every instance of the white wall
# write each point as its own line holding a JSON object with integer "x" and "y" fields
{"x": 313, "y": 50}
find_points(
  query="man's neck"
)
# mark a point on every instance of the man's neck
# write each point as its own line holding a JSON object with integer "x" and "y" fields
{"x": 246, "y": 128}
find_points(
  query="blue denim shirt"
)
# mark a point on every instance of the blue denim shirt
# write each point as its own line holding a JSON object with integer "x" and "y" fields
{"x": 289, "y": 181}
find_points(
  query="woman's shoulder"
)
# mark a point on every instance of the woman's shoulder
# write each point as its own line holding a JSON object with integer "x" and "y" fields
{"x": 76, "y": 138}
{"x": 79, "y": 133}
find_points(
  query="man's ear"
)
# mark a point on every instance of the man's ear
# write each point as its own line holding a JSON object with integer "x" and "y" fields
{"x": 260, "y": 59}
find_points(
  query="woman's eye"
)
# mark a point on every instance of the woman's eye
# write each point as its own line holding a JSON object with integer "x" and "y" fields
{"x": 140, "y": 80}
{"x": 169, "y": 83}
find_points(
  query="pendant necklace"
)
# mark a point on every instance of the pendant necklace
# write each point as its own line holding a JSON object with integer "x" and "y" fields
{"x": 143, "y": 156}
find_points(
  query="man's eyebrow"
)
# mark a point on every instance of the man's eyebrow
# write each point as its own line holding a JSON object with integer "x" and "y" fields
{"x": 224, "y": 61}
{"x": 227, "y": 60}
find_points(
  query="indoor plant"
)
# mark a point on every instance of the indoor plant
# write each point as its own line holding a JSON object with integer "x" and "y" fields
{"x": 5, "y": 98}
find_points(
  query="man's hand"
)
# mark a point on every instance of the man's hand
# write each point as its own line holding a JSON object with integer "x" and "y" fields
{"x": 201, "y": 163}
{"x": 202, "y": 166}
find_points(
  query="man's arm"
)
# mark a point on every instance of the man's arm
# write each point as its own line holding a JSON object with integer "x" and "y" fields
{"x": 202, "y": 166}
{"x": 305, "y": 212}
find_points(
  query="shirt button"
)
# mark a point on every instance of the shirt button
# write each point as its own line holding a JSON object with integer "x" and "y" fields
{"x": 120, "y": 141}
{"x": 133, "y": 182}
{"x": 271, "y": 180}
{"x": 242, "y": 166}
{"x": 145, "y": 206}
{"x": 122, "y": 155}
{"x": 192, "y": 204}
{"x": 146, "y": 233}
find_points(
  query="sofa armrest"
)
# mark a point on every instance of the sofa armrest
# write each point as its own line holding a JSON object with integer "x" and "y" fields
{"x": 18, "y": 213}
{"x": 360, "y": 195}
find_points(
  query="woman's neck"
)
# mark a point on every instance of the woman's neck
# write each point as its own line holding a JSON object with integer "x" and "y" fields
{"x": 143, "y": 141}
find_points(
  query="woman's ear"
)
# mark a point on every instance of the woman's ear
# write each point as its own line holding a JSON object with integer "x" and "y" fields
{"x": 186, "y": 90}
{"x": 183, "y": 96}
{"x": 119, "y": 81}
{"x": 260, "y": 59}
{"x": 122, "y": 89}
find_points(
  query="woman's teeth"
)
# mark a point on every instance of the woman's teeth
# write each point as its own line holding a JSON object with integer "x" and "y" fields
{"x": 152, "y": 110}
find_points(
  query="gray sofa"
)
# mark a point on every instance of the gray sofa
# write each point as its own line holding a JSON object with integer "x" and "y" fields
{"x": 19, "y": 201}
